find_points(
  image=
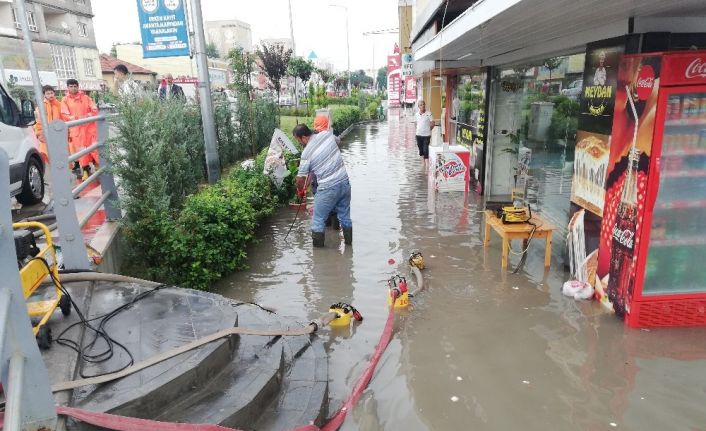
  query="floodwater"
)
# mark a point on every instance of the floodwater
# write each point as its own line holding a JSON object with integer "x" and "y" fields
{"x": 481, "y": 348}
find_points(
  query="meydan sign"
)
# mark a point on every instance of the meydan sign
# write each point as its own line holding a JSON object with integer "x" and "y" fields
{"x": 23, "y": 78}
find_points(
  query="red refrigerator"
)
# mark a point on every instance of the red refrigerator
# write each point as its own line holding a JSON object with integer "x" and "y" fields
{"x": 652, "y": 257}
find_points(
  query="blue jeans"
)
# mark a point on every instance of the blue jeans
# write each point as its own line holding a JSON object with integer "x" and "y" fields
{"x": 336, "y": 198}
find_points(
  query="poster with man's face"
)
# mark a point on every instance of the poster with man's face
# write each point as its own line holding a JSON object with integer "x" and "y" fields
{"x": 599, "y": 86}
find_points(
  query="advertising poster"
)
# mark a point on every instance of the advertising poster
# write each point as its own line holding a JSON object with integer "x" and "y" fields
{"x": 410, "y": 89}
{"x": 275, "y": 163}
{"x": 394, "y": 79}
{"x": 163, "y": 28}
{"x": 450, "y": 170}
{"x": 597, "y": 103}
{"x": 626, "y": 179}
{"x": 600, "y": 80}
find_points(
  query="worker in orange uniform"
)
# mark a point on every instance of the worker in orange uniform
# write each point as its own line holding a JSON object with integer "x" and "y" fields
{"x": 53, "y": 109}
{"x": 74, "y": 106}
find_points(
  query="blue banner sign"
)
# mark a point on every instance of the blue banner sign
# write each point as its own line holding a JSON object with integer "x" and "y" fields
{"x": 163, "y": 27}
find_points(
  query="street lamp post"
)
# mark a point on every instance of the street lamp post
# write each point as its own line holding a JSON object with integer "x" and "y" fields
{"x": 348, "y": 46}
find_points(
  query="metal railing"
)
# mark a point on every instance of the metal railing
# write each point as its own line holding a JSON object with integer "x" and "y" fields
{"x": 30, "y": 405}
{"x": 70, "y": 238}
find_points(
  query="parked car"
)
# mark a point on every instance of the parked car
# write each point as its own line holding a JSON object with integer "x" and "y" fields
{"x": 18, "y": 140}
{"x": 574, "y": 89}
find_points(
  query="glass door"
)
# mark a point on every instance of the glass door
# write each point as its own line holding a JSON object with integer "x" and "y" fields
{"x": 675, "y": 263}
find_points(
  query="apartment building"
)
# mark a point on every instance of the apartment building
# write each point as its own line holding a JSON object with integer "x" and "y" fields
{"x": 228, "y": 34}
{"x": 63, "y": 39}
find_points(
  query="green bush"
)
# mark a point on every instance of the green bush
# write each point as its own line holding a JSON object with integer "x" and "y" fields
{"x": 344, "y": 117}
{"x": 175, "y": 234}
{"x": 372, "y": 110}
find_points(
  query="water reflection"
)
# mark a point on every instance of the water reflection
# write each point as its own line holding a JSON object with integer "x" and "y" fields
{"x": 481, "y": 348}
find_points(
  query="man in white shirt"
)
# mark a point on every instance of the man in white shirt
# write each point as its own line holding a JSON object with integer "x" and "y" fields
{"x": 425, "y": 123}
{"x": 123, "y": 86}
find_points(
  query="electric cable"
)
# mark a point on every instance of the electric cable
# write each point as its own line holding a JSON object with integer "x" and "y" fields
{"x": 100, "y": 331}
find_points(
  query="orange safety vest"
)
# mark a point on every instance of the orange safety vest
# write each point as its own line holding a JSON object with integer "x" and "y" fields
{"x": 53, "y": 109}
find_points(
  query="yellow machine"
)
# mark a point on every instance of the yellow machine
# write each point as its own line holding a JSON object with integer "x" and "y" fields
{"x": 35, "y": 265}
{"x": 344, "y": 312}
{"x": 398, "y": 292}
{"x": 515, "y": 214}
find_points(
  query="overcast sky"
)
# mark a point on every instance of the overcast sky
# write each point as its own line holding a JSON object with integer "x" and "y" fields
{"x": 317, "y": 26}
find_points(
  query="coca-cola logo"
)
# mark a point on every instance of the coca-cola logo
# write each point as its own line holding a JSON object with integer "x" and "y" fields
{"x": 624, "y": 237}
{"x": 645, "y": 81}
{"x": 697, "y": 69}
{"x": 453, "y": 168}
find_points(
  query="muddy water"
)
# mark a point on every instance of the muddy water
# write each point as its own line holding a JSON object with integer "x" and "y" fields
{"x": 481, "y": 349}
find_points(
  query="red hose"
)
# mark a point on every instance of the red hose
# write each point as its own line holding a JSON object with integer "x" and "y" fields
{"x": 337, "y": 420}
{"x": 123, "y": 423}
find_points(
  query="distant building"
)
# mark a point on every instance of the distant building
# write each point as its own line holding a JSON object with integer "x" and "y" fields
{"x": 138, "y": 73}
{"x": 63, "y": 40}
{"x": 228, "y": 34}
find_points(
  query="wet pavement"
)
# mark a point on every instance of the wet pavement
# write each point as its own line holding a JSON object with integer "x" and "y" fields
{"x": 481, "y": 348}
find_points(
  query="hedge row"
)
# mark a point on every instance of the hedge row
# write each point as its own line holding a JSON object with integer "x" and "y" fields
{"x": 178, "y": 232}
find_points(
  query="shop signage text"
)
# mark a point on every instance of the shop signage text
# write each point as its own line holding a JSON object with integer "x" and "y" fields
{"x": 697, "y": 69}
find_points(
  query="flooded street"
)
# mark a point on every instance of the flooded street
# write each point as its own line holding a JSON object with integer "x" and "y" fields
{"x": 481, "y": 348}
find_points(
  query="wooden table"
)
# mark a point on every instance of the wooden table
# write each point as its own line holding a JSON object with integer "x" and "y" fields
{"x": 512, "y": 231}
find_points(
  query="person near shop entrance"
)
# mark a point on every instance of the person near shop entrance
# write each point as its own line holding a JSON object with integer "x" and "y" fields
{"x": 74, "y": 106}
{"x": 425, "y": 124}
{"x": 322, "y": 158}
{"x": 53, "y": 108}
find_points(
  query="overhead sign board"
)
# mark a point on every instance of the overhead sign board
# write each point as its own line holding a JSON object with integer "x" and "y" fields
{"x": 163, "y": 27}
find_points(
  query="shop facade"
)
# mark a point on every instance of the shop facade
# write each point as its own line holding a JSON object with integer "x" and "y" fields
{"x": 556, "y": 112}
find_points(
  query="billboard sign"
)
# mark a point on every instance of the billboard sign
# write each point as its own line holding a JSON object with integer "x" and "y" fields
{"x": 163, "y": 27}
{"x": 394, "y": 79}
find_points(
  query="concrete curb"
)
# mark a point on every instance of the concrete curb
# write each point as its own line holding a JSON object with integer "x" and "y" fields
{"x": 360, "y": 123}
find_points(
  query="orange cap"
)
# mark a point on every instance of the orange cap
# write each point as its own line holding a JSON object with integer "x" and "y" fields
{"x": 321, "y": 123}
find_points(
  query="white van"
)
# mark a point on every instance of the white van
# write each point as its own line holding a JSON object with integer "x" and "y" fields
{"x": 18, "y": 140}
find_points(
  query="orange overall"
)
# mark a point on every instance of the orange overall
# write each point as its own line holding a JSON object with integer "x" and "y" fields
{"x": 53, "y": 108}
{"x": 75, "y": 107}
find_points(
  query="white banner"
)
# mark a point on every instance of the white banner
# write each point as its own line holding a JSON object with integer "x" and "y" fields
{"x": 23, "y": 78}
{"x": 275, "y": 163}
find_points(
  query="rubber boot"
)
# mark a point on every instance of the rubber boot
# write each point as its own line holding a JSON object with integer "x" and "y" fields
{"x": 329, "y": 221}
{"x": 348, "y": 235}
{"x": 317, "y": 239}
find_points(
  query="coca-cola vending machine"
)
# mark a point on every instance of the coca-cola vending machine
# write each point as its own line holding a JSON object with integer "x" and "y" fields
{"x": 651, "y": 266}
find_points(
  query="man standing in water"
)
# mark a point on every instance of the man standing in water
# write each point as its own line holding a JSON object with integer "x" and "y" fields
{"x": 322, "y": 158}
{"x": 425, "y": 123}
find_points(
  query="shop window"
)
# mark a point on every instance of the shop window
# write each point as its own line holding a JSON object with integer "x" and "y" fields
{"x": 535, "y": 126}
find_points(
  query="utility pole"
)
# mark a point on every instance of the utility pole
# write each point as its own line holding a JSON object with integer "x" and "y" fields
{"x": 209, "y": 126}
{"x": 348, "y": 46}
{"x": 294, "y": 53}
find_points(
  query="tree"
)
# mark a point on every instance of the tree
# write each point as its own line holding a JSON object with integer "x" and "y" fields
{"x": 359, "y": 78}
{"x": 114, "y": 51}
{"x": 325, "y": 75}
{"x": 212, "y": 50}
{"x": 552, "y": 64}
{"x": 241, "y": 63}
{"x": 299, "y": 69}
{"x": 275, "y": 61}
{"x": 382, "y": 78}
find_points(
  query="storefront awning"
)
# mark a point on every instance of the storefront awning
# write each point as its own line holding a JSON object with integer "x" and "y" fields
{"x": 506, "y": 31}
